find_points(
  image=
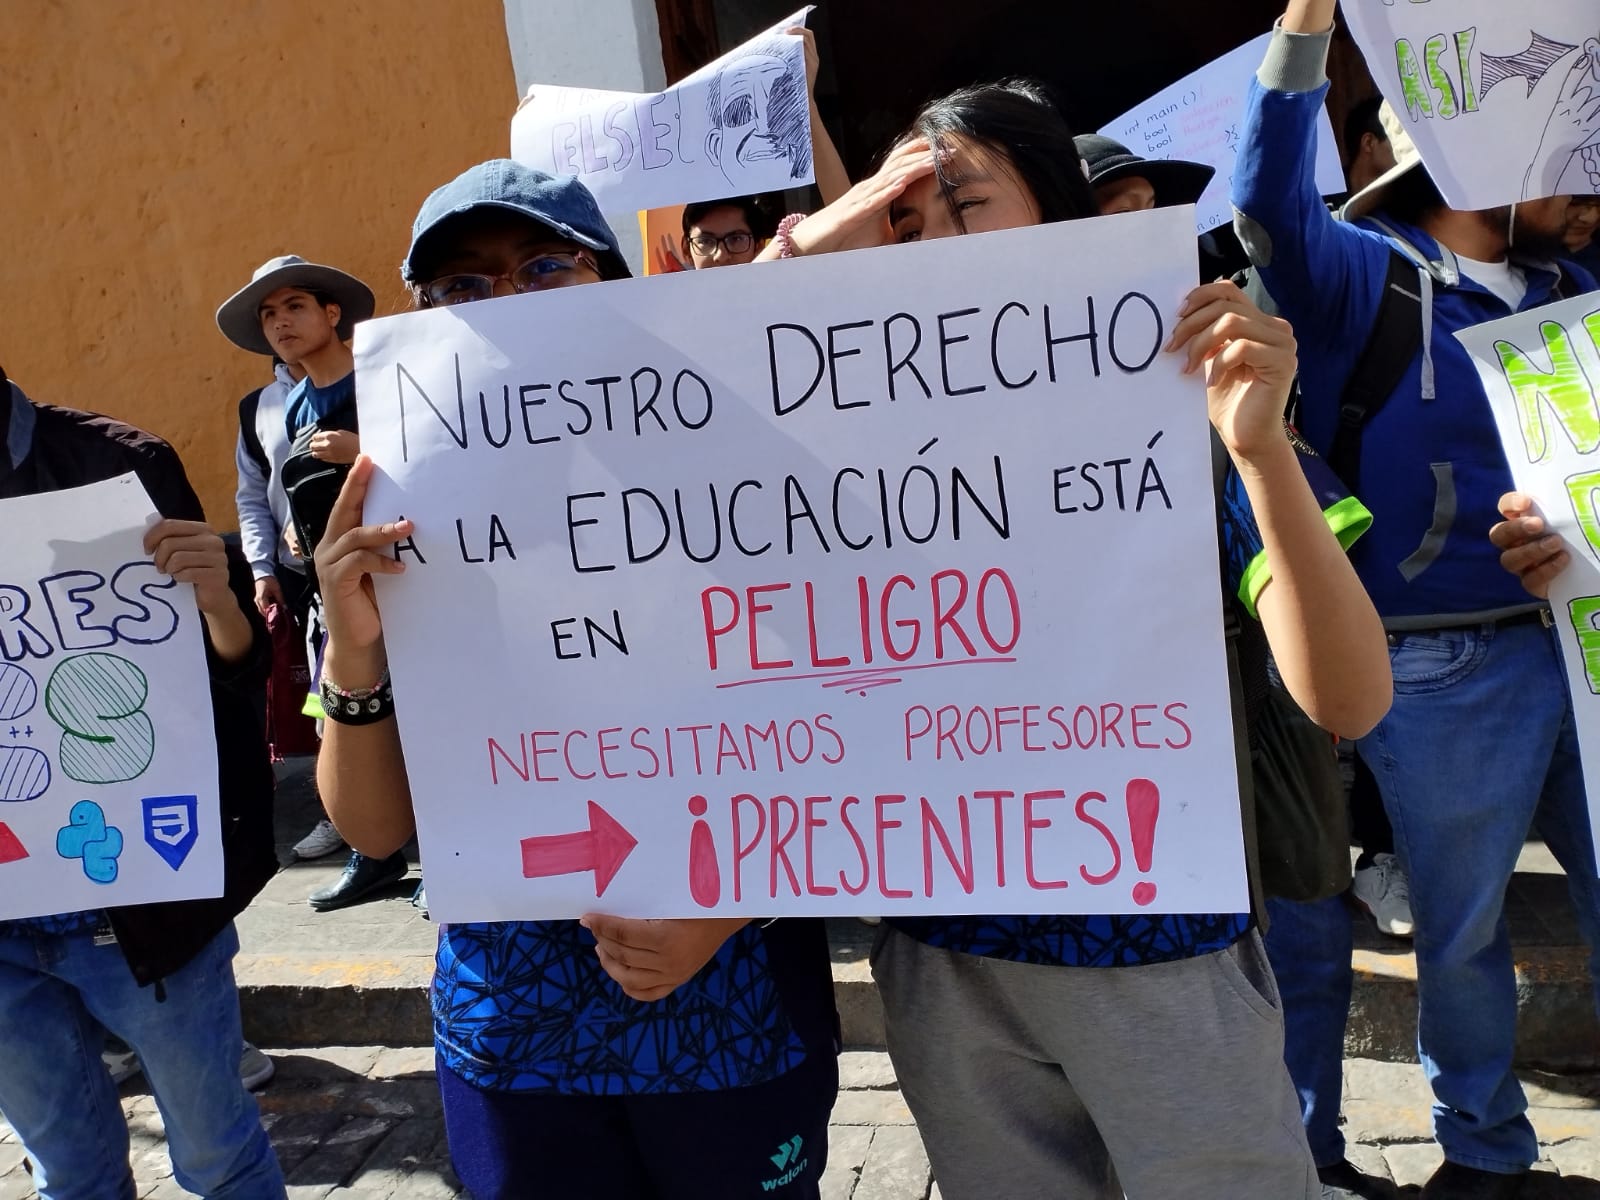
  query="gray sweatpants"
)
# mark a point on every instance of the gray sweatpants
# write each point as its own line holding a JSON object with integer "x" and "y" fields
{"x": 1164, "y": 1082}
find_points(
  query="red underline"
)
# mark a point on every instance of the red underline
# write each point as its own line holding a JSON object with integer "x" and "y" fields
{"x": 867, "y": 674}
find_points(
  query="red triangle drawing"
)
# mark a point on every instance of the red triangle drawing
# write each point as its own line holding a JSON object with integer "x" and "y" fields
{"x": 10, "y": 848}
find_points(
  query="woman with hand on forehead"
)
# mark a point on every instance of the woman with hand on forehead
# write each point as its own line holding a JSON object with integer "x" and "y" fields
{"x": 574, "y": 1058}
{"x": 1092, "y": 1056}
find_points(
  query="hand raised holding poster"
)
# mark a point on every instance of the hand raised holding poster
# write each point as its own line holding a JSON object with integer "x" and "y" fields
{"x": 1502, "y": 100}
{"x": 738, "y": 126}
{"x": 108, "y": 762}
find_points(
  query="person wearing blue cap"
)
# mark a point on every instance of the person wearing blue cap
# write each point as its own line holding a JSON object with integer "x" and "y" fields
{"x": 591, "y": 1056}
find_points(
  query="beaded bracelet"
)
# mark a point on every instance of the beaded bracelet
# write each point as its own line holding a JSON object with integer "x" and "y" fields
{"x": 359, "y": 706}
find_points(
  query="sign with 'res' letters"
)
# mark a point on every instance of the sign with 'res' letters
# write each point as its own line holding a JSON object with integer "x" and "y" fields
{"x": 108, "y": 759}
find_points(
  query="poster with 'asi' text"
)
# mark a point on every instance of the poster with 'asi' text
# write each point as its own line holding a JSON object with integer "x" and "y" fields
{"x": 1502, "y": 99}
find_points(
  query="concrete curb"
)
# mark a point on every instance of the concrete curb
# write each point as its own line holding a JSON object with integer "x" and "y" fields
{"x": 376, "y": 999}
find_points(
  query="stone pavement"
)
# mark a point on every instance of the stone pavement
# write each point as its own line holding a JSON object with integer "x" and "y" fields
{"x": 363, "y": 1122}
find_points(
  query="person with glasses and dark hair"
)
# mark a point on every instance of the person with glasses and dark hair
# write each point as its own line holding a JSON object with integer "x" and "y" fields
{"x": 575, "y": 1059}
{"x": 725, "y": 233}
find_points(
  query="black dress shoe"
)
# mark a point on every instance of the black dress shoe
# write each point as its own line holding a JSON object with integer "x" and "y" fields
{"x": 362, "y": 876}
{"x": 1452, "y": 1181}
{"x": 1342, "y": 1181}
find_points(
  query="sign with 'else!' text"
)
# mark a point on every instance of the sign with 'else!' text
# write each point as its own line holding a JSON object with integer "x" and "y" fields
{"x": 874, "y": 582}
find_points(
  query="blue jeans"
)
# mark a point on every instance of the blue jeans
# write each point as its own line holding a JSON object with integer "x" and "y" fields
{"x": 56, "y": 994}
{"x": 1479, "y": 748}
{"x": 1309, "y": 946}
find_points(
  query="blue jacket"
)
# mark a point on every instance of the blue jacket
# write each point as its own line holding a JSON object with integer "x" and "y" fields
{"x": 1432, "y": 469}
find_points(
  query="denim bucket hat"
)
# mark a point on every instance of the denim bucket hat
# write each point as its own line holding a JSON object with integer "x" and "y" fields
{"x": 239, "y": 319}
{"x": 557, "y": 201}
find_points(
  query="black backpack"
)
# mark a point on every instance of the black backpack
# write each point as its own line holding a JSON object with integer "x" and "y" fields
{"x": 1391, "y": 347}
{"x": 313, "y": 484}
{"x": 1292, "y": 801}
{"x": 248, "y": 407}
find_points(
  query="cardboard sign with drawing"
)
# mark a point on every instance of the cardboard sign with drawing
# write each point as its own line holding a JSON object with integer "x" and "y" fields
{"x": 1502, "y": 100}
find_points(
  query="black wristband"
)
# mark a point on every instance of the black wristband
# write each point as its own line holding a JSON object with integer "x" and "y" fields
{"x": 366, "y": 708}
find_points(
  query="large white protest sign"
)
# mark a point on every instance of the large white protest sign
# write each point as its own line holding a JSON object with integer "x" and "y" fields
{"x": 1502, "y": 99}
{"x": 108, "y": 760}
{"x": 739, "y": 126}
{"x": 1198, "y": 119}
{"x": 1541, "y": 370}
{"x": 882, "y": 581}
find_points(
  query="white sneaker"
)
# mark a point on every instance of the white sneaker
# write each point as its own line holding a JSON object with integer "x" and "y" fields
{"x": 1385, "y": 892}
{"x": 122, "y": 1062}
{"x": 255, "y": 1068}
{"x": 322, "y": 841}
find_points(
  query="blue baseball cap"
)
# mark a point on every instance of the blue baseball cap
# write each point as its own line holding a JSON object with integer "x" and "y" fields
{"x": 560, "y": 202}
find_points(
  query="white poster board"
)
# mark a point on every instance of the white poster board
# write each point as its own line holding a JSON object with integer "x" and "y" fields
{"x": 1541, "y": 371}
{"x": 108, "y": 759}
{"x": 1500, "y": 98}
{"x": 872, "y": 582}
{"x": 1198, "y": 119}
{"x": 737, "y": 127}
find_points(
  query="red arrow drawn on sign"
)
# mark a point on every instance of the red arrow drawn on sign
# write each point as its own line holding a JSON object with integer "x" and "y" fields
{"x": 11, "y": 849}
{"x": 602, "y": 848}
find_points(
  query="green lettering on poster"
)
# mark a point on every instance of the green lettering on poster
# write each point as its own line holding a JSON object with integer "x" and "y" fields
{"x": 1583, "y": 612}
{"x": 1564, "y": 389}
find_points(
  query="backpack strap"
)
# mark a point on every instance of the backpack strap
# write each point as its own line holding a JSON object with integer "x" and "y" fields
{"x": 248, "y": 407}
{"x": 1397, "y": 334}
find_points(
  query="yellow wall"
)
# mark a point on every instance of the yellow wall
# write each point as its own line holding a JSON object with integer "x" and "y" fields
{"x": 154, "y": 152}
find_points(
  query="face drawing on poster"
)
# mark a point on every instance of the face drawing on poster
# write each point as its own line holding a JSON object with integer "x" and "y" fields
{"x": 739, "y": 125}
{"x": 759, "y": 111}
{"x": 1482, "y": 90}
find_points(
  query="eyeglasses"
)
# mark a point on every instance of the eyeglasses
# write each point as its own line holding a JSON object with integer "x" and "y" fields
{"x": 535, "y": 275}
{"x": 737, "y": 242}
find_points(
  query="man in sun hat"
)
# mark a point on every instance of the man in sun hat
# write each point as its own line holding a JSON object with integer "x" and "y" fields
{"x": 1124, "y": 182}
{"x": 305, "y": 313}
{"x": 1479, "y": 747}
{"x": 314, "y": 309}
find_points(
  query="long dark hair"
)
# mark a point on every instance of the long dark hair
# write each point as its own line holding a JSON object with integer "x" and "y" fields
{"x": 1016, "y": 118}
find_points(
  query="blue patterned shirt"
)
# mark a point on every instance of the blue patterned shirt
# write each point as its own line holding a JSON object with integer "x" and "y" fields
{"x": 526, "y": 1007}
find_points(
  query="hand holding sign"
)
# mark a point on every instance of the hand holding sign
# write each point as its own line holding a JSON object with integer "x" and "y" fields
{"x": 652, "y": 959}
{"x": 192, "y": 552}
{"x": 349, "y": 555}
{"x": 1528, "y": 549}
{"x": 1249, "y": 360}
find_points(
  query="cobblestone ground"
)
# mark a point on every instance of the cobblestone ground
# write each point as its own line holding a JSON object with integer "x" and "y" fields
{"x": 364, "y": 1122}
